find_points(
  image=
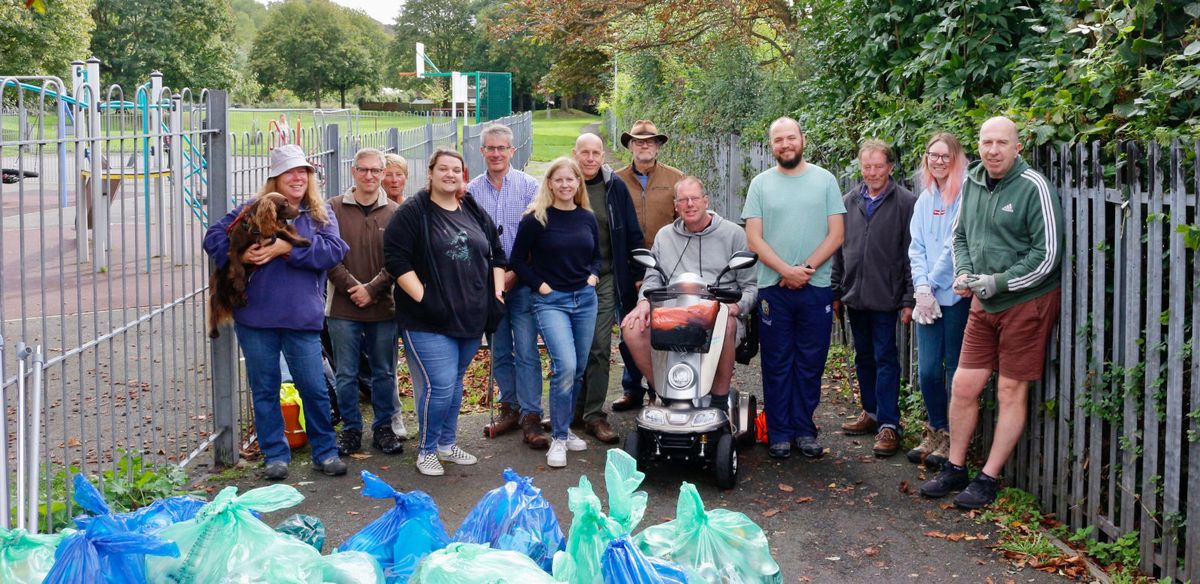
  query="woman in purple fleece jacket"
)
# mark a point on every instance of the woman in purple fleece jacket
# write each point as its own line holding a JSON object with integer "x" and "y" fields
{"x": 284, "y": 312}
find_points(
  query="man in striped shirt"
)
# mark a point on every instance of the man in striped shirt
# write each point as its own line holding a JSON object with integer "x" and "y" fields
{"x": 1008, "y": 241}
{"x": 504, "y": 192}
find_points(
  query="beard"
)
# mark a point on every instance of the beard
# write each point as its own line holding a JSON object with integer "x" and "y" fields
{"x": 789, "y": 163}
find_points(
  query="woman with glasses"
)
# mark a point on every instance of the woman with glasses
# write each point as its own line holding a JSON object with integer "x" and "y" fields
{"x": 449, "y": 269}
{"x": 940, "y": 315}
{"x": 557, "y": 255}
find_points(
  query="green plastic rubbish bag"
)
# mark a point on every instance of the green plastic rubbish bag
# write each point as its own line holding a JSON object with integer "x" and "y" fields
{"x": 348, "y": 568}
{"x": 592, "y": 530}
{"x": 718, "y": 546}
{"x": 225, "y": 542}
{"x": 459, "y": 563}
{"x": 305, "y": 528}
{"x": 26, "y": 558}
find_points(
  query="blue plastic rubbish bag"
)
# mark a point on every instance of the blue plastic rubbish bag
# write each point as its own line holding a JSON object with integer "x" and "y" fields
{"x": 403, "y": 535}
{"x": 149, "y": 519}
{"x": 103, "y": 551}
{"x": 26, "y": 558}
{"x": 225, "y": 542}
{"x": 717, "y": 546}
{"x": 459, "y": 563}
{"x": 623, "y": 563}
{"x": 517, "y": 518}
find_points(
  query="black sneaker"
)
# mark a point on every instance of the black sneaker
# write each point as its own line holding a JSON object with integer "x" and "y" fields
{"x": 385, "y": 440}
{"x": 809, "y": 447}
{"x": 276, "y": 471}
{"x": 952, "y": 478}
{"x": 349, "y": 441}
{"x": 332, "y": 466}
{"x": 780, "y": 450}
{"x": 979, "y": 494}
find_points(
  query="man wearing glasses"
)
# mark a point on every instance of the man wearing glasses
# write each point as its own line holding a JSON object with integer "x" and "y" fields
{"x": 505, "y": 192}
{"x": 652, "y": 187}
{"x": 871, "y": 278}
{"x": 701, "y": 242}
{"x": 360, "y": 313}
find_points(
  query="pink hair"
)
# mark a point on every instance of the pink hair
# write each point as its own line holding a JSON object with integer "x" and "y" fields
{"x": 958, "y": 164}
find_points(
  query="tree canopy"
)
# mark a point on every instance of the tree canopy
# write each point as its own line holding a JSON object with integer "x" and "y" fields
{"x": 33, "y": 43}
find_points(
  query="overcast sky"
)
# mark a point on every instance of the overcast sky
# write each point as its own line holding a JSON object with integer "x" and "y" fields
{"x": 384, "y": 11}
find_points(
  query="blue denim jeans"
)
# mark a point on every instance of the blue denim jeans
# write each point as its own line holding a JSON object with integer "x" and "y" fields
{"x": 938, "y": 345}
{"x": 302, "y": 350}
{"x": 377, "y": 342}
{"x": 515, "y": 360}
{"x": 567, "y": 321}
{"x": 877, "y": 363}
{"x": 794, "y": 341}
{"x": 437, "y": 364}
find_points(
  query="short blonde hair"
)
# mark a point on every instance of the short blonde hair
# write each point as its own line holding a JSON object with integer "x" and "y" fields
{"x": 396, "y": 160}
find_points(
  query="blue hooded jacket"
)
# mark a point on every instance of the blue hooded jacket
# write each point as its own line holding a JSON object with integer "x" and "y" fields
{"x": 287, "y": 292}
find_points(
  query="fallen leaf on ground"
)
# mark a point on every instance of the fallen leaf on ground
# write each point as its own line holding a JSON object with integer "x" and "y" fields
{"x": 73, "y": 442}
{"x": 834, "y": 558}
{"x": 803, "y": 500}
{"x": 871, "y": 552}
{"x": 360, "y": 456}
{"x": 770, "y": 512}
{"x": 937, "y": 534}
{"x": 352, "y": 513}
{"x": 947, "y": 506}
{"x": 905, "y": 488}
{"x": 786, "y": 488}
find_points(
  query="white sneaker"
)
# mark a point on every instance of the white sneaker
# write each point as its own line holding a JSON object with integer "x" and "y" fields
{"x": 557, "y": 456}
{"x": 427, "y": 464}
{"x": 456, "y": 455}
{"x": 398, "y": 426}
{"x": 575, "y": 443}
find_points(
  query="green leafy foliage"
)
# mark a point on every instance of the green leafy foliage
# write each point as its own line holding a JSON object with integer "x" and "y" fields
{"x": 44, "y": 44}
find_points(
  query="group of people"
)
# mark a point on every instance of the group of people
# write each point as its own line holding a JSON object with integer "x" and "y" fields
{"x": 973, "y": 261}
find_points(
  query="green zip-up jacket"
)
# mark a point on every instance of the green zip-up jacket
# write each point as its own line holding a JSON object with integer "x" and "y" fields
{"x": 1014, "y": 232}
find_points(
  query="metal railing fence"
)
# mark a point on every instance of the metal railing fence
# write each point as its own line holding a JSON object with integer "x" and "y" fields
{"x": 522, "y": 127}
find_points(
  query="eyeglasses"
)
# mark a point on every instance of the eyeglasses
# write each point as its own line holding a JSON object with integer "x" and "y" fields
{"x": 644, "y": 141}
{"x": 935, "y": 157}
{"x": 689, "y": 200}
{"x": 370, "y": 171}
{"x": 496, "y": 149}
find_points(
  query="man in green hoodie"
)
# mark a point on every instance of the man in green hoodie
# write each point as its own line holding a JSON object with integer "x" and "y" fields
{"x": 1008, "y": 241}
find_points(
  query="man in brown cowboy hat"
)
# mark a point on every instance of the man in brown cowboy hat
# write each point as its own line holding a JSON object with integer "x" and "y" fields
{"x": 652, "y": 188}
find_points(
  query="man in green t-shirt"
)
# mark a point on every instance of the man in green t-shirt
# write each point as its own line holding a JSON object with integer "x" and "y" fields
{"x": 794, "y": 222}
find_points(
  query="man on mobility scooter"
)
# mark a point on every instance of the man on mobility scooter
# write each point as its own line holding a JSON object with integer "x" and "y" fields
{"x": 685, "y": 329}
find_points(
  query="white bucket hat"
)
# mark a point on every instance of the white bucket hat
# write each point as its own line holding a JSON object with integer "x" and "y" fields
{"x": 287, "y": 157}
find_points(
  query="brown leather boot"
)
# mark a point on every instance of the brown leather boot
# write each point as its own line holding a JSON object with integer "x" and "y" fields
{"x": 627, "y": 402}
{"x": 535, "y": 437}
{"x": 887, "y": 442}
{"x": 863, "y": 424}
{"x": 506, "y": 419}
{"x": 602, "y": 431}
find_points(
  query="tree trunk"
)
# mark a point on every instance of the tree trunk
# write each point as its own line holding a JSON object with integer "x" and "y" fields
{"x": 318, "y": 94}
{"x": 343, "y": 92}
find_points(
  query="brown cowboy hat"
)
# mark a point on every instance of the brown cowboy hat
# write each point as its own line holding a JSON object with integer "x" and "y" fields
{"x": 642, "y": 130}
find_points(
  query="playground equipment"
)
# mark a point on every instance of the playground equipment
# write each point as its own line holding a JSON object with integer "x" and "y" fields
{"x": 493, "y": 91}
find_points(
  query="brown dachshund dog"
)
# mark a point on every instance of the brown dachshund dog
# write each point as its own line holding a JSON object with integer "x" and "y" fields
{"x": 262, "y": 221}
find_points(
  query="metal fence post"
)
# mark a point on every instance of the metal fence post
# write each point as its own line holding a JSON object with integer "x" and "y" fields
{"x": 224, "y": 355}
{"x": 333, "y": 161}
{"x": 393, "y": 140}
{"x": 4, "y": 508}
{"x": 428, "y": 138}
{"x": 35, "y": 443}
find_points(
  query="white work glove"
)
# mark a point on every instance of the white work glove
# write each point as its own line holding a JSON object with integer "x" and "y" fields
{"x": 927, "y": 309}
{"x": 983, "y": 285}
{"x": 960, "y": 283}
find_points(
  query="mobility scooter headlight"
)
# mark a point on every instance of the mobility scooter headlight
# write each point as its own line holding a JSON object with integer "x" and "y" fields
{"x": 681, "y": 376}
{"x": 704, "y": 418}
{"x": 654, "y": 416}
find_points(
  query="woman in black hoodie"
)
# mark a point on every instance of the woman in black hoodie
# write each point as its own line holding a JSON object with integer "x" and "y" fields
{"x": 449, "y": 268}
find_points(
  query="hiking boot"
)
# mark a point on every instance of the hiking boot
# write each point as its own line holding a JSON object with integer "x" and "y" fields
{"x": 429, "y": 465}
{"x": 809, "y": 447}
{"x": 385, "y": 440}
{"x": 979, "y": 494}
{"x": 941, "y": 451}
{"x": 952, "y": 478}
{"x": 887, "y": 442}
{"x": 276, "y": 471}
{"x": 332, "y": 466}
{"x": 507, "y": 418}
{"x": 456, "y": 455}
{"x": 780, "y": 450}
{"x": 534, "y": 435}
{"x": 626, "y": 403}
{"x": 575, "y": 443}
{"x": 557, "y": 456}
{"x": 928, "y": 443}
{"x": 602, "y": 431}
{"x": 349, "y": 441}
{"x": 862, "y": 425}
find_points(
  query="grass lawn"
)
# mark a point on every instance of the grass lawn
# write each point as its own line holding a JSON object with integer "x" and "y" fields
{"x": 362, "y": 122}
{"x": 556, "y": 136}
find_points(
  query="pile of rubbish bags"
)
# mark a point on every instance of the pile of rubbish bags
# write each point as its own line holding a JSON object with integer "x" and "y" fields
{"x": 512, "y": 535}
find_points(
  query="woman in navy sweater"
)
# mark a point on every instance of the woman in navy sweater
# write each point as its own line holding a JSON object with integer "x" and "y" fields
{"x": 557, "y": 254}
